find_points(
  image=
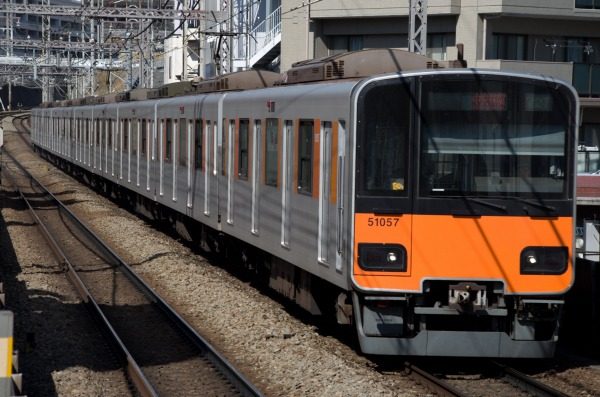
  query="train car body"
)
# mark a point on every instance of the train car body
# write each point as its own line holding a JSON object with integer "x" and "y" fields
{"x": 436, "y": 204}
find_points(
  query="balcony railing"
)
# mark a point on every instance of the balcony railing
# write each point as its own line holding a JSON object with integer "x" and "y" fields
{"x": 266, "y": 34}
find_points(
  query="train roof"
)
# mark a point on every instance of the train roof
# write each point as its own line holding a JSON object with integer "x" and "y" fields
{"x": 345, "y": 66}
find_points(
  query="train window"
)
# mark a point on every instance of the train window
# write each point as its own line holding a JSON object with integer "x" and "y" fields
{"x": 383, "y": 140}
{"x": 198, "y": 144}
{"x": 493, "y": 138}
{"x": 182, "y": 141}
{"x": 305, "y": 156}
{"x": 125, "y": 125}
{"x": 109, "y": 133}
{"x": 271, "y": 152}
{"x": 144, "y": 139}
{"x": 135, "y": 128}
{"x": 243, "y": 148}
{"x": 224, "y": 142}
{"x": 168, "y": 131}
{"x": 97, "y": 132}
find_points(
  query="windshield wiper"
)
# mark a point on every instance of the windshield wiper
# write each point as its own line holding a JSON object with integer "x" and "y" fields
{"x": 535, "y": 204}
{"x": 483, "y": 202}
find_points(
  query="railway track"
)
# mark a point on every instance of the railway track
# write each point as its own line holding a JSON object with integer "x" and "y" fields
{"x": 161, "y": 353}
{"x": 489, "y": 378}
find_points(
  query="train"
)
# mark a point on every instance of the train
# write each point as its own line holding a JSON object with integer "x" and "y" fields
{"x": 427, "y": 204}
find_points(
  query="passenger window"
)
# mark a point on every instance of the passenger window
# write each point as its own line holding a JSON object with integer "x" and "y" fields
{"x": 271, "y": 152}
{"x": 125, "y": 126}
{"x": 110, "y": 133}
{"x": 135, "y": 124}
{"x": 168, "y": 139}
{"x": 182, "y": 141}
{"x": 97, "y": 132}
{"x": 305, "y": 156}
{"x": 198, "y": 147}
{"x": 243, "y": 148}
{"x": 144, "y": 137}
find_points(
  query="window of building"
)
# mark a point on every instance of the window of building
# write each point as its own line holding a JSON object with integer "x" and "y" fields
{"x": 271, "y": 152}
{"x": 305, "y": 156}
{"x": 243, "y": 148}
{"x": 588, "y": 158}
{"x": 344, "y": 43}
{"x": 508, "y": 46}
{"x": 437, "y": 44}
{"x": 589, "y": 4}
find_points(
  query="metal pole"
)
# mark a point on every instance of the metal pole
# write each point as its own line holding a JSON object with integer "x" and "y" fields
{"x": 184, "y": 45}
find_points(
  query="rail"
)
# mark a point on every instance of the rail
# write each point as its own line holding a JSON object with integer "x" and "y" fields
{"x": 527, "y": 383}
{"x": 135, "y": 372}
{"x": 436, "y": 385}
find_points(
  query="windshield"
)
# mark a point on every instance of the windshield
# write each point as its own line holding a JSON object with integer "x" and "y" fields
{"x": 493, "y": 138}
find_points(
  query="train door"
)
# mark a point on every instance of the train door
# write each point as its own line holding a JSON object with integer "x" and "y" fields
{"x": 286, "y": 180}
{"x": 213, "y": 161}
{"x": 340, "y": 193}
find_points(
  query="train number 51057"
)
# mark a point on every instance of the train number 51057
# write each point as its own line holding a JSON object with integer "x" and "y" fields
{"x": 382, "y": 221}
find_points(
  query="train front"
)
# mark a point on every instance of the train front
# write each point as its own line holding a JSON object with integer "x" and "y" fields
{"x": 463, "y": 213}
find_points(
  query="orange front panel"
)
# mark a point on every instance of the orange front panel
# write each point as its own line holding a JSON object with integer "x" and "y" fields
{"x": 465, "y": 248}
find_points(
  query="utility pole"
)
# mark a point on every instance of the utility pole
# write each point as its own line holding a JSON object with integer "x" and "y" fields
{"x": 184, "y": 44}
{"x": 417, "y": 35}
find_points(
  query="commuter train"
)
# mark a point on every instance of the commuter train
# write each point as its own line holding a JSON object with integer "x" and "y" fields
{"x": 430, "y": 206}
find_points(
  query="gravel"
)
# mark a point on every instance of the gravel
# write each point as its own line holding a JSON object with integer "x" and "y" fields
{"x": 62, "y": 353}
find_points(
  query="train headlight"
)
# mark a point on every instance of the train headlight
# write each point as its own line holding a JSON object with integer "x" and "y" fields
{"x": 544, "y": 260}
{"x": 382, "y": 257}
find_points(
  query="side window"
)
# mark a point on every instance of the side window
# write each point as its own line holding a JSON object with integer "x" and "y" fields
{"x": 271, "y": 152}
{"x": 305, "y": 156}
{"x": 243, "y": 148}
{"x": 135, "y": 124}
{"x": 198, "y": 145}
{"x": 97, "y": 132}
{"x": 144, "y": 139}
{"x": 125, "y": 134}
{"x": 168, "y": 139}
{"x": 182, "y": 142}
{"x": 110, "y": 133}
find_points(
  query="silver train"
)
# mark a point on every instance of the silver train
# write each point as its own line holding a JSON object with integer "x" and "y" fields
{"x": 382, "y": 198}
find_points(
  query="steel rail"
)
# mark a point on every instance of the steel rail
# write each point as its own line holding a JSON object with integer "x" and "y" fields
{"x": 527, "y": 383}
{"x": 134, "y": 372}
{"x": 436, "y": 385}
{"x": 237, "y": 379}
